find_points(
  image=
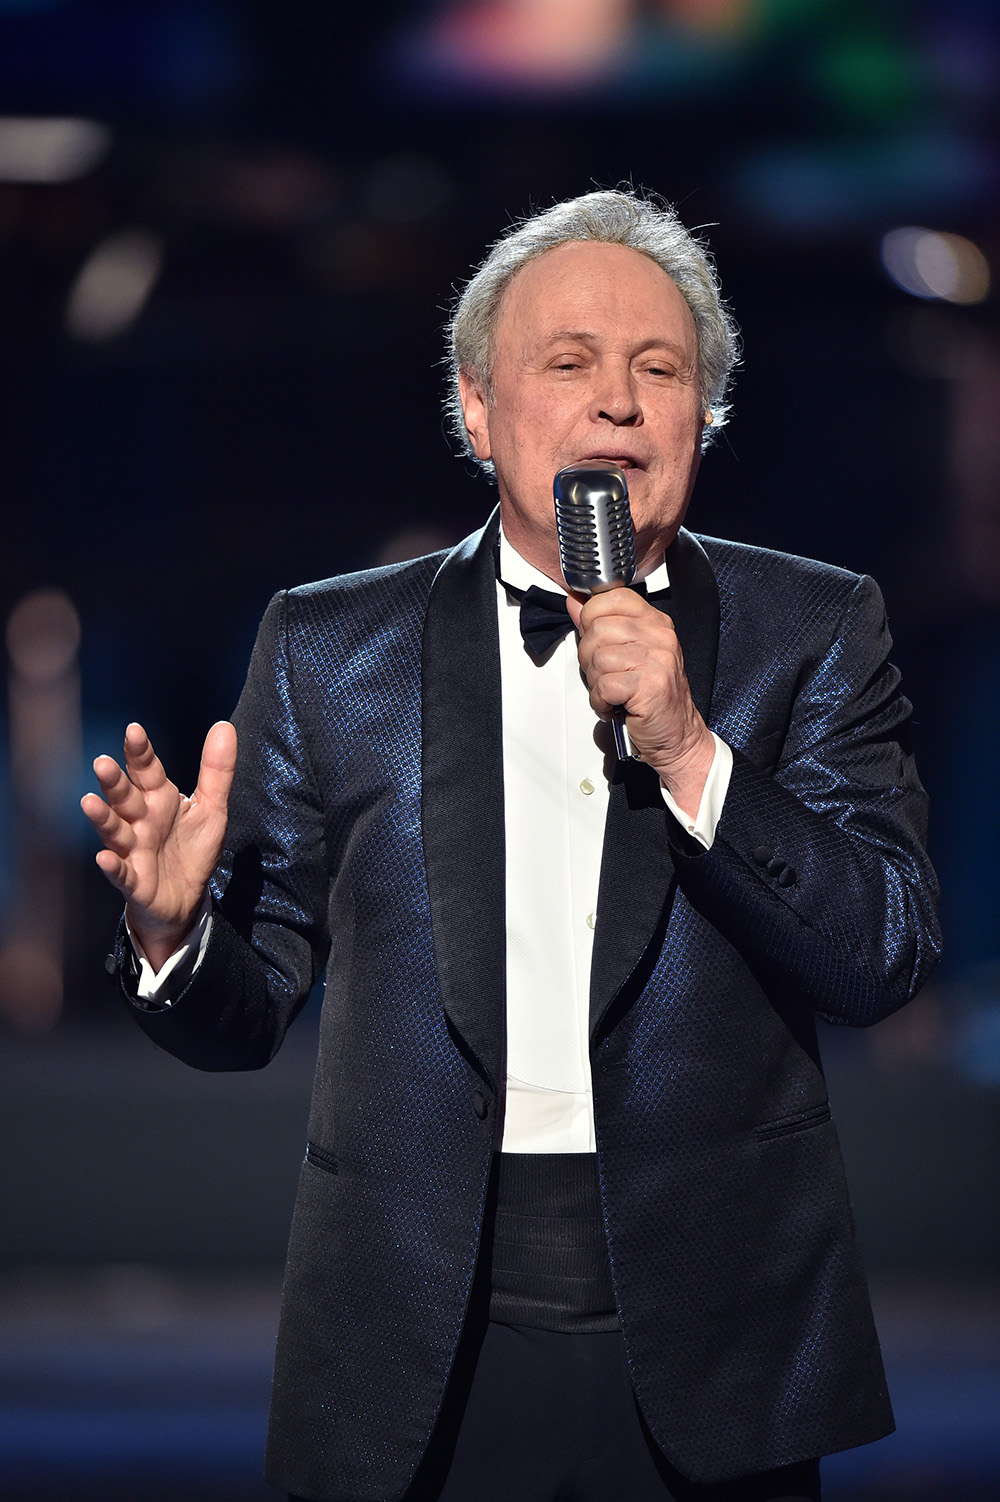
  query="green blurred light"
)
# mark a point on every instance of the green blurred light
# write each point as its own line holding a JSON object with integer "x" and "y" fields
{"x": 870, "y": 76}
{"x": 776, "y": 15}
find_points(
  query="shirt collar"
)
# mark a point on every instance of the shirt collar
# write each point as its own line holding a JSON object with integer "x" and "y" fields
{"x": 520, "y": 574}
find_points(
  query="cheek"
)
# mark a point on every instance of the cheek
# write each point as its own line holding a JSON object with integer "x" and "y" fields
{"x": 530, "y": 431}
{"x": 557, "y": 425}
{"x": 683, "y": 429}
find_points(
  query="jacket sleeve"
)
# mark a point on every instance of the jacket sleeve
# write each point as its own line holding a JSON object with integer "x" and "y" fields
{"x": 269, "y": 938}
{"x": 818, "y": 873}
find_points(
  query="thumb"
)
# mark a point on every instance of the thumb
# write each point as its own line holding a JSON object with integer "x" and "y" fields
{"x": 218, "y": 763}
{"x": 575, "y": 608}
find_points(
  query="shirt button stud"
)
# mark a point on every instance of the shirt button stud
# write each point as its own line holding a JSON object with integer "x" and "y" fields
{"x": 591, "y": 920}
{"x": 586, "y": 786}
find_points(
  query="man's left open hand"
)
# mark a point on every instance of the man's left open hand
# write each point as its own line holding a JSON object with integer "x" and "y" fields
{"x": 631, "y": 657}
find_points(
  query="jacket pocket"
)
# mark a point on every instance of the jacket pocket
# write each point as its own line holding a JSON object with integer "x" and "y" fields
{"x": 320, "y": 1158}
{"x": 800, "y": 1122}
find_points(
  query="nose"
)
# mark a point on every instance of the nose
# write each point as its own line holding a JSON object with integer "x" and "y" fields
{"x": 616, "y": 399}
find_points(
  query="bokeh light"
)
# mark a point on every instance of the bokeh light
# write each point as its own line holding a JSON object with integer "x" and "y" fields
{"x": 40, "y": 150}
{"x": 931, "y": 264}
{"x": 43, "y": 635}
{"x": 114, "y": 284}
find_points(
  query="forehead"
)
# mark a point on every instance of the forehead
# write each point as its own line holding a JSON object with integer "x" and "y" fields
{"x": 593, "y": 288}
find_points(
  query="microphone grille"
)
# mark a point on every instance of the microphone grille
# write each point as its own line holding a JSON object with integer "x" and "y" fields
{"x": 594, "y": 524}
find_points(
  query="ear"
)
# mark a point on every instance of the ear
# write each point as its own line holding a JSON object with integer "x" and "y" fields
{"x": 475, "y": 411}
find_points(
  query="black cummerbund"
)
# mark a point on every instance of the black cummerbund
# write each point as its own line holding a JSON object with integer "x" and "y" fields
{"x": 550, "y": 1266}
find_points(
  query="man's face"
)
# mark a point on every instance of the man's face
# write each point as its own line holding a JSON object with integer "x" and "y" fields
{"x": 595, "y": 357}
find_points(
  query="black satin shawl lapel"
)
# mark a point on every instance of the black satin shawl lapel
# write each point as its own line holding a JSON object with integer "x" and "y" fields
{"x": 692, "y": 602}
{"x": 637, "y": 872}
{"x": 462, "y": 795}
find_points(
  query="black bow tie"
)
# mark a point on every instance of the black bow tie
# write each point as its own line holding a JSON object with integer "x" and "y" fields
{"x": 545, "y": 619}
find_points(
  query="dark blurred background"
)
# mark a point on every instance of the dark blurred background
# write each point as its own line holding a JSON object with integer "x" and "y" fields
{"x": 229, "y": 233}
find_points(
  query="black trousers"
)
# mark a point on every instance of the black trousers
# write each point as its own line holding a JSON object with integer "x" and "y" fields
{"x": 538, "y": 1416}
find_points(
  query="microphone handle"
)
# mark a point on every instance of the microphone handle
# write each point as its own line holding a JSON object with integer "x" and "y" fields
{"x": 618, "y": 726}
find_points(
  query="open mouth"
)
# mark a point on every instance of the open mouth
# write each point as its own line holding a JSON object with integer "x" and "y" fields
{"x": 623, "y": 461}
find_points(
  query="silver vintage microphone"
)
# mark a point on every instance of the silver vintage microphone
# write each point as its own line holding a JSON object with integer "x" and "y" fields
{"x": 596, "y": 546}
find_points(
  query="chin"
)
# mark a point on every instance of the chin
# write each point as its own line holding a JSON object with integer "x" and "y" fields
{"x": 658, "y": 532}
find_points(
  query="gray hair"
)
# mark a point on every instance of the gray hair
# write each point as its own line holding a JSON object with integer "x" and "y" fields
{"x": 612, "y": 217}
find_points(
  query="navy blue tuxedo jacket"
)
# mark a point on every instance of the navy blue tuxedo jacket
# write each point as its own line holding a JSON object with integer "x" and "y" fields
{"x": 367, "y": 837}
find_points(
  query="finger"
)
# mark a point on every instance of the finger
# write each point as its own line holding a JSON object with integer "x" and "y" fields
{"x": 124, "y": 797}
{"x": 107, "y": 771}
{"x": 610, "y": 602}
{"x": 117, "y": 871}
{"x": 144, "y": 766}
{"x": 621, "y": 657}
{"x": 611, "y": 691}
{"x": 218, "y": 763}
{"x": 115, "y": 833}
{"x": 574, "y": 607}
{"x": 650, "y": 627}
{"x": 621, "y": 629}
{"x": 657, "y": 667}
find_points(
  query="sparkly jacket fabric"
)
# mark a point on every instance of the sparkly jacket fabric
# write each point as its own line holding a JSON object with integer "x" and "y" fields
{"x": 367, "y": 837}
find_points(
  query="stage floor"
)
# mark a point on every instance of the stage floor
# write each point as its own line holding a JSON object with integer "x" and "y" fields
{"x": 126, "y": 1384}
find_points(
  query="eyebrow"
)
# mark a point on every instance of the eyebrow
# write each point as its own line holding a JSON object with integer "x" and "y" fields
{"x": 569, "y": 334}
{"x": 585, "y": 336}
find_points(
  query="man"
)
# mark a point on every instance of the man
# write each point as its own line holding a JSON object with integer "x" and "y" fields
{"x": 571, "y": 1221}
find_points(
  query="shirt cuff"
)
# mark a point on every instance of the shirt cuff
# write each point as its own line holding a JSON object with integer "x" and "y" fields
{"x": 702, "y": 828}
{"x": 163, "y": 986}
